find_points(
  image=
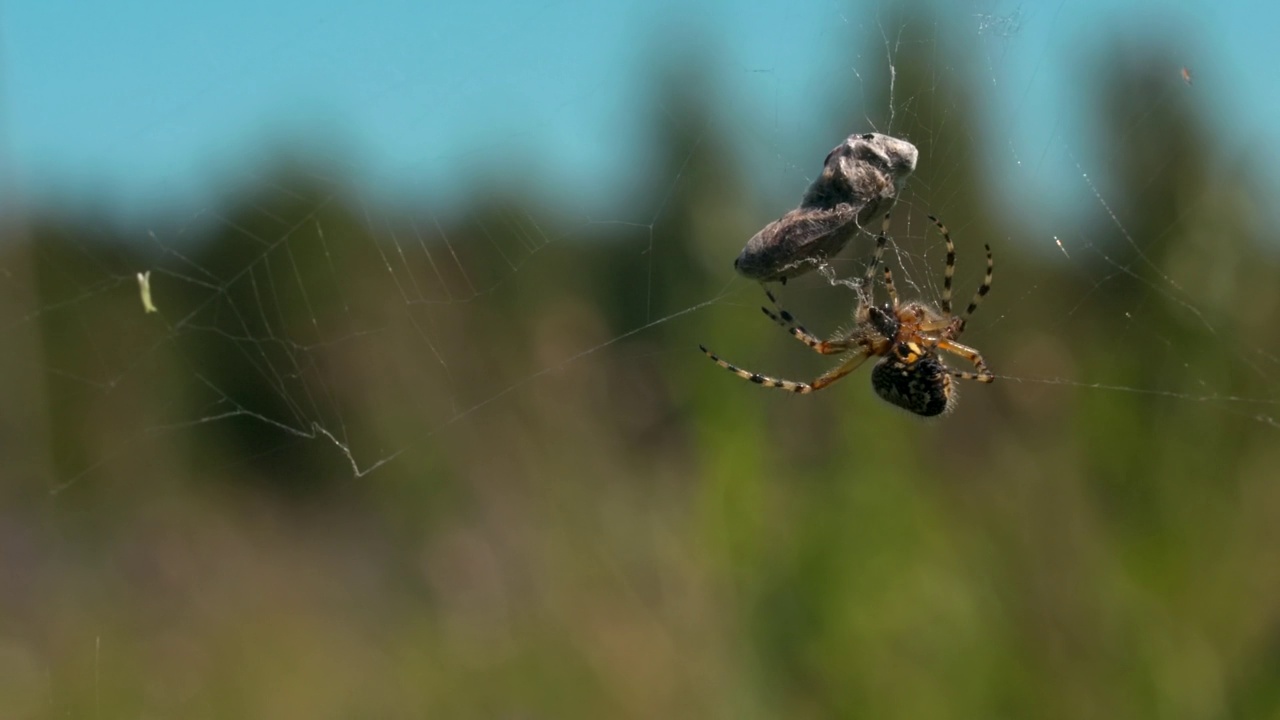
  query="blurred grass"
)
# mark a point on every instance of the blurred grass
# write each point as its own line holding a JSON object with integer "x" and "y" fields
{"x": 634, "y": 533}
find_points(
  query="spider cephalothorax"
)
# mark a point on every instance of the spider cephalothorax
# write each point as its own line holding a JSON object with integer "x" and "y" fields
{"x": 906, "y": 336}
{"x": 883, "y": 320}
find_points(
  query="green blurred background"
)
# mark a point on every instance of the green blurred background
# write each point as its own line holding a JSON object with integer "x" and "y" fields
{"x": 375, "y": 460}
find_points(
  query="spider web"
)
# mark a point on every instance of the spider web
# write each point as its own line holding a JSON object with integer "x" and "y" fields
{"x": 464, "y": 309}
{"x": 277, "y": 304}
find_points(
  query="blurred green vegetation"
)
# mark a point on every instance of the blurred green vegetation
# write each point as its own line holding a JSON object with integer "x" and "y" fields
{"x": 630, "y": 532}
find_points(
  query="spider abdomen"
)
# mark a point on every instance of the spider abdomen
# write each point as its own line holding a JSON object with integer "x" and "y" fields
{"x": 914, "y": 379}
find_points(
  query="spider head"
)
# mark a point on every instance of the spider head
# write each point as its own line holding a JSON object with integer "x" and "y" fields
{"x": 883, "y": 320}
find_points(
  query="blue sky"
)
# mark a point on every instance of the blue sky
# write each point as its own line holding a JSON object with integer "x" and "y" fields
{"x": 145, "y": 104}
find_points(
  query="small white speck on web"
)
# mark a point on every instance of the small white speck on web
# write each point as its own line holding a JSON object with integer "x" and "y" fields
{"x": 1058, "y": 240}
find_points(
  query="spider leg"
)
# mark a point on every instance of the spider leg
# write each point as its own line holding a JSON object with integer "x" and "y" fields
{"x": 881, "y": 241}
{"x": 890, "y": 288}
{"x": 788, "y": 321}
{"x": 799, "y": 388}
{"x": 983, "y": 375}
{"x": 951, "y": 266}
{"x": 840, "y": 371}
{"x": 982, "y": 290}
{"x": 934, "y": 326}
{"x": 948, "y": 327}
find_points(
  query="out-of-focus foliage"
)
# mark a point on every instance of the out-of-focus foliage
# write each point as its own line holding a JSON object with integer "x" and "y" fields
{"x": 636, "y": 533}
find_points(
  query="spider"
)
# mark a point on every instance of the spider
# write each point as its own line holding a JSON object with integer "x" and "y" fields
{"x": 906, "y": 336}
